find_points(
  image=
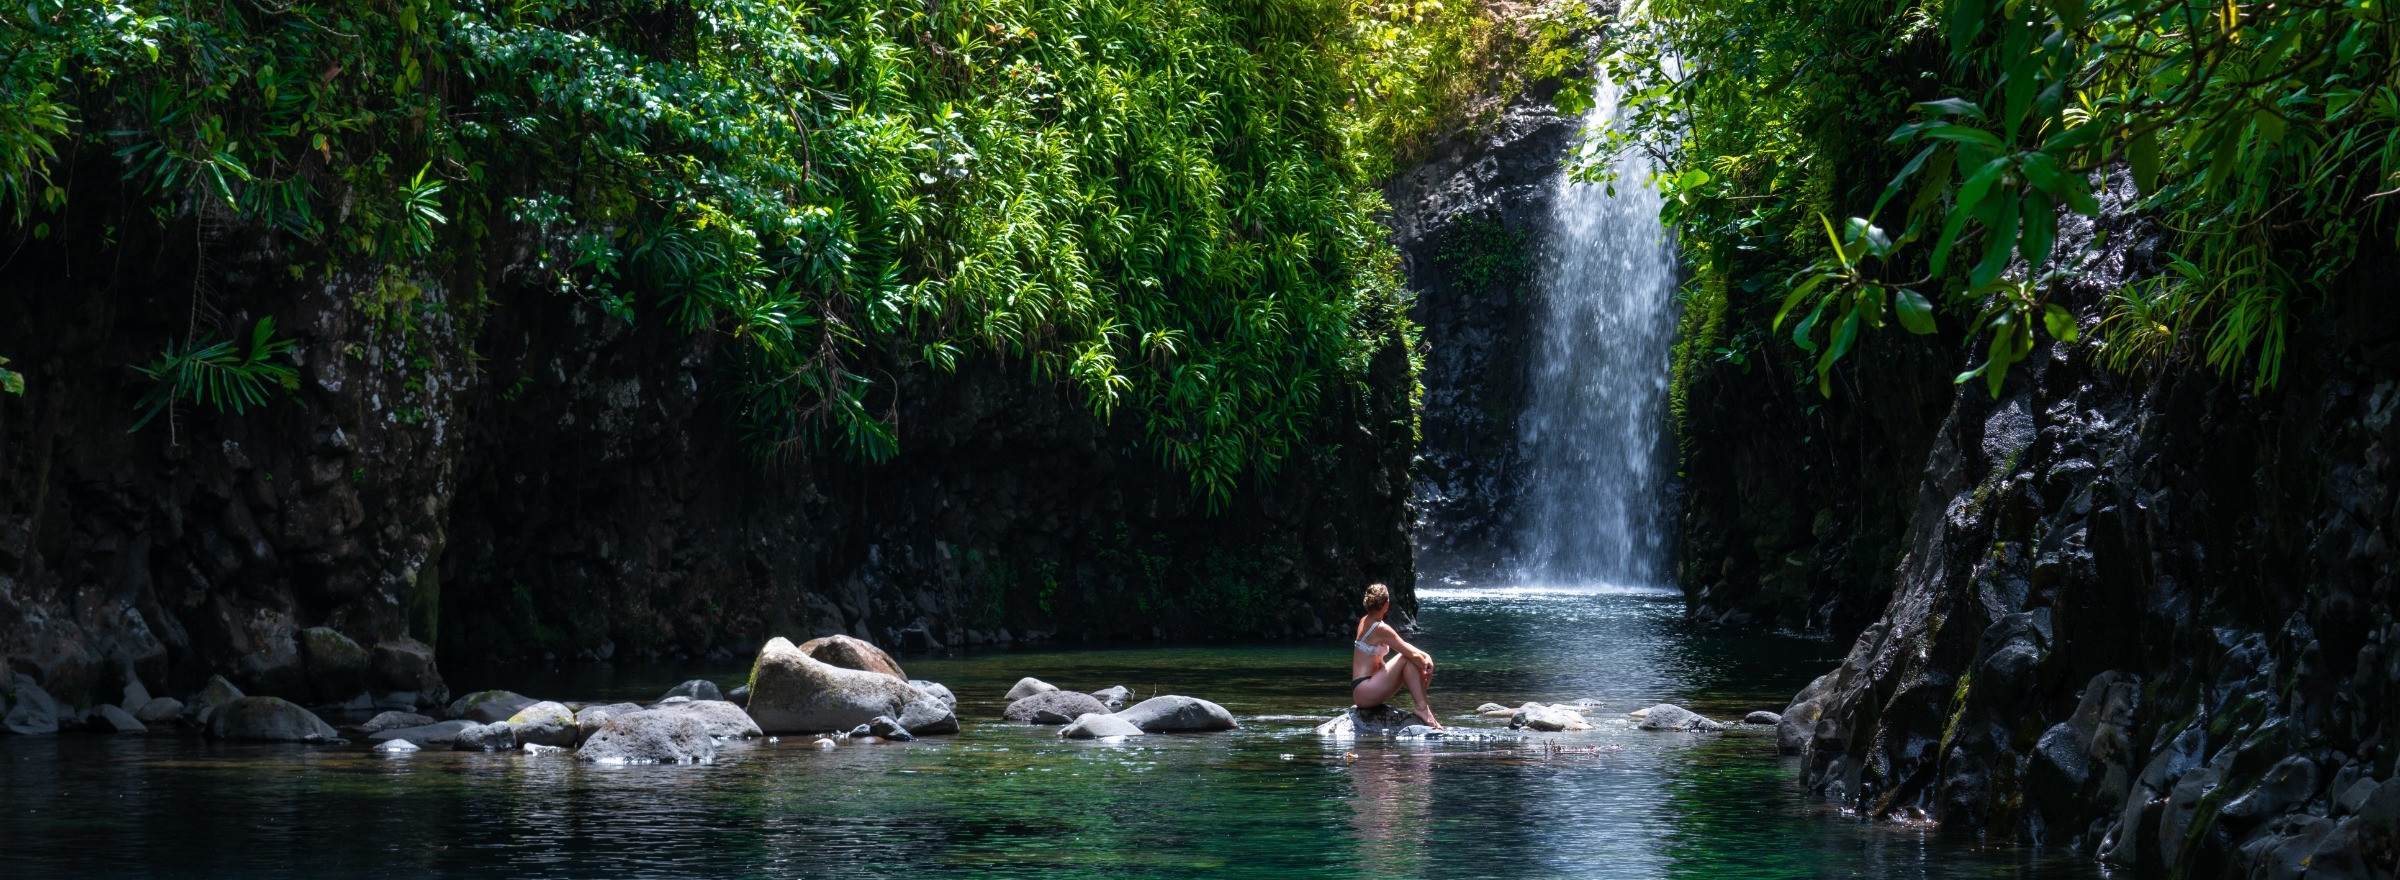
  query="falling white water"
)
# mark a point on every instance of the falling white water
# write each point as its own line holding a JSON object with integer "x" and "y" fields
{"x": 1591, "y": 434}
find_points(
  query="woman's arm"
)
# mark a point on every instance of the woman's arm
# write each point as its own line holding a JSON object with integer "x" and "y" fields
{"x": 1401, "y": 646}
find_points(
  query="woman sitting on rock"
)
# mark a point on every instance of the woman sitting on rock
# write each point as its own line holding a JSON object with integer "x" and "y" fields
{"x": 1381, "y": 662}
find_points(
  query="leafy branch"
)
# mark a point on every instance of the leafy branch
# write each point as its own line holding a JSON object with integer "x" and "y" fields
{"x": 217, "y": 374}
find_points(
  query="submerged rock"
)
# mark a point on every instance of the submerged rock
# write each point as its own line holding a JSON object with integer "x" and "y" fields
{"x": 722, "y": 719}
{"x": 269, "y": 719}
{"x": 792, "y": 692}
{"x": 1495, "y": 710}
{"x": 395, "y": 746}
{"x": 1762, "y": 718}
{"x": 1052, "y": 707}
{"x": 888, "y": 729}
{"x": 489, "y": 706}
{"x": 545, "y": 723}
{"x": 1026, "y": 687}
{"x": 1099, "y": 725}
{"x": 650, "y": 737}
{"x": 697, "y": 689}
{"x": 1667, "y": 716}
{"x": 1178, "y": 713}
{"x": 850, "y": 653}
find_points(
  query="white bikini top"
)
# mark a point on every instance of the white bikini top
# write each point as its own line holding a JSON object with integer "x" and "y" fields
{"x": 1365, "y": 648}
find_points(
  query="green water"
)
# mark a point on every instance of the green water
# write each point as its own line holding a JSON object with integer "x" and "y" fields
{"x": 1269, "y": 800}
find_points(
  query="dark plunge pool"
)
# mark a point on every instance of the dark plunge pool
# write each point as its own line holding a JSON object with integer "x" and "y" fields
{"x": 1269, "y": 800}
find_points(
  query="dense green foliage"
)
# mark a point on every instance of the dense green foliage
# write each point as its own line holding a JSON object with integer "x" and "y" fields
{"x": 1166, "y": 204}
{"x": 1895, "y": 161}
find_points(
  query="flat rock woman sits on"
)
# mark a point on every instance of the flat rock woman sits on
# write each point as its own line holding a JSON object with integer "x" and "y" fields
{"x": 1381, "y": 663}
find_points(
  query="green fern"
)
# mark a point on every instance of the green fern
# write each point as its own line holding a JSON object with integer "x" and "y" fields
{"x": 216, "y": 375}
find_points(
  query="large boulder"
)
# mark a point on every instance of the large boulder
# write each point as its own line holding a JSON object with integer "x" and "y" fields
{"x": 697, "y": 689}
{"x": 405, "y": 664}
{"x": 31, "y": 711}
{"x": 651, "y": 737}
{"x": 1099, "y": 725}
{"x": 337, "y": 667}
{"x": 1028, "y": 686}
{"x": 160, "y": 710}
{"x": 489, "y": 706}
{"x": 114, "y": 719}
{"x": 1053, "y": 707}
{"x": 214, "y": 695}
{"x": 439, "y": 733}
{"x": 1552, "y": 718}
{"x": 792, "y": 692}
{"x": 937, "y": 689}
{"x": 545, "y": 723}
{"x": 850, "y": 653}
{"x": 499, "y": 736}
{"x": 722, "y": 719}
{"x": 1374, "y": 721}
{"x": 269, "y": 719}
{"x": 1175, "y": 713}
{"x": 590, "y": 719}
{"x": 1667, "y": 716}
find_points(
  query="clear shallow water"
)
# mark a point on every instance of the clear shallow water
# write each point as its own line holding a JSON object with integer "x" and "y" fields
{"x": 1270, "y": 800}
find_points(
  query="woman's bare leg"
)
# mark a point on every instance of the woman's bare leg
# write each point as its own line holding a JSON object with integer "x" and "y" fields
{"x": 1415, "y": 677}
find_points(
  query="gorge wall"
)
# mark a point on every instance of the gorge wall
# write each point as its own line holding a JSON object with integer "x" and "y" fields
{"x": 2149, "y": 617}
{"x": 526, "y": 477}
{"x": 1469, "y": 223}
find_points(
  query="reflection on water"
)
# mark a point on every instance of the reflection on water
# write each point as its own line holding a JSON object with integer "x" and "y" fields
{"x": 1270, "y": 800}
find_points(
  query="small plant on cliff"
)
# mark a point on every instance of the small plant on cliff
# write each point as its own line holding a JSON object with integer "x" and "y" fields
{"x": 218, "y": 374}
{"x": 11, "y": 381}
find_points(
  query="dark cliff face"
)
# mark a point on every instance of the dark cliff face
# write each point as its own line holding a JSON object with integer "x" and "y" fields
{"x": 1469, "y": 223}
{"x": 608, "y": 504}
{"x": 1793, "y": 502}
{"x": 2150, "y": 617}
{"x": 525, "y": 477}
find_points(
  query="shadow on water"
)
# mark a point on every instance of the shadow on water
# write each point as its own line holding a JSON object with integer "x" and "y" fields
{"x": 997, "y": 800}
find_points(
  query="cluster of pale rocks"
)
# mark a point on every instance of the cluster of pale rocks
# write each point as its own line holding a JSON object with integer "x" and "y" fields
{"x": 844, "y": 689}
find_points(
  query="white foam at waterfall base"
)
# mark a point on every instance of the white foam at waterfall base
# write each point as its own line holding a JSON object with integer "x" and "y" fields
{"x": 1593, "y": 432}
{"x": 1541, "y": 591}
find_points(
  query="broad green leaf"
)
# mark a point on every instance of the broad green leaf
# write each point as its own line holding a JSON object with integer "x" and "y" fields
{"x": 1916, "y": 314}
{"x": 1998, "y": 246}
{"x": 2071, "y": 12}
{"x": 2059, "y": 322}
{"x": 1966, "y": 21}
{"x": 2142, "y": 154}
{"x": 1906, "y": 171}
{"x": 1799, "y": 292}
{"x": 1800, "y": 333}
{"x": 2039, "y": 218}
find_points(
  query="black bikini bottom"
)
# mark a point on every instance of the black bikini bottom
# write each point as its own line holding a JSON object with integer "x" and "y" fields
{"x": 1355, "y": 682}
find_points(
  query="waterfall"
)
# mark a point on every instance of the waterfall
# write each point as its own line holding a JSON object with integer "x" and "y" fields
{"x": 1591, "y": 437}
